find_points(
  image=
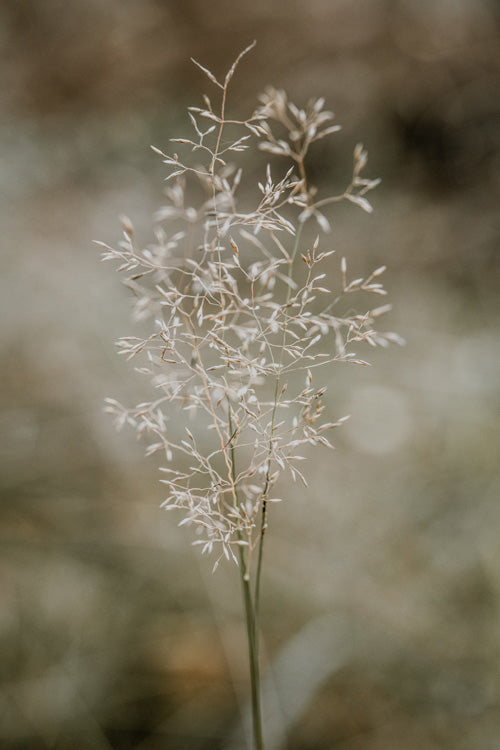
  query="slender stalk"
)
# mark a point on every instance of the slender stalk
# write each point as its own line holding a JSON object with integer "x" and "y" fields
{"x": 253, "y": 655}
{"x": 253, "y": 649}
{"x": 252, "y": 633}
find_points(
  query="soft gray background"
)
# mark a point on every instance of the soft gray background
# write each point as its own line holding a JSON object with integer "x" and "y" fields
{"x": 113, "y": 633}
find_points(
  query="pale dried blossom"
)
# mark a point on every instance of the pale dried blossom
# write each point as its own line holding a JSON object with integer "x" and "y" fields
{"x": 243, "y": 315}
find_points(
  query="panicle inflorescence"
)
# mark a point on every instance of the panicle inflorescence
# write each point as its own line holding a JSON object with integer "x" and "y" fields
{"x": 243, "y": 316}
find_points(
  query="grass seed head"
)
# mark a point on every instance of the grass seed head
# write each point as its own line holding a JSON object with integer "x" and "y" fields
{"x": 236, "y": 323}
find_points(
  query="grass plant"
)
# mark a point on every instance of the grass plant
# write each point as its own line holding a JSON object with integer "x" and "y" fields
{"x": 243, "y": 323}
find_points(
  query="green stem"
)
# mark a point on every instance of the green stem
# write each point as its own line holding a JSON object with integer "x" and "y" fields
{"x": 252, "y": 633}
{"x": 253, "y": 654}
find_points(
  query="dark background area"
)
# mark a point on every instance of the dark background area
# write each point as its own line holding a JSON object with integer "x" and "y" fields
{"x": 382, "y": 588}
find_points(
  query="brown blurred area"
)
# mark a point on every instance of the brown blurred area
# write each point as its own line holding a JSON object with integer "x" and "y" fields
{"x": 382, "y": 591}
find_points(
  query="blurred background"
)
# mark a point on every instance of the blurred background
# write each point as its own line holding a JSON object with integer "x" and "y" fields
{"x": 382, "y": 587}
